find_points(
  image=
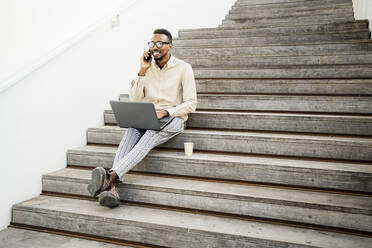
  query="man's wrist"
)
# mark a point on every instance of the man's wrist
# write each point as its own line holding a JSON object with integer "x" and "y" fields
{"x": 142, "y": 73}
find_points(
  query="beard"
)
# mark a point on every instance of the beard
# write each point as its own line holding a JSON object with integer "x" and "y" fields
{"x": 159, "y": 58}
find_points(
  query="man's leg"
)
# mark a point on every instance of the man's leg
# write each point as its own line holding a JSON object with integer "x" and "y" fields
{"x": 100, "y": 180}
{"x": 148, "y": 141}
{"x": 129, "y": 140}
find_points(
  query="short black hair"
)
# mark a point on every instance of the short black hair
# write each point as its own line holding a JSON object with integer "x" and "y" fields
{"x": 164, "y": 31}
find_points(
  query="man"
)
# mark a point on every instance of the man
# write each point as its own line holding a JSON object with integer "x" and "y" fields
{"x": 167, "y": 82}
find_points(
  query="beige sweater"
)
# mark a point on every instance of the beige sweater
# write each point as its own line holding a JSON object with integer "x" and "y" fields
{"x": 171, "y": 88}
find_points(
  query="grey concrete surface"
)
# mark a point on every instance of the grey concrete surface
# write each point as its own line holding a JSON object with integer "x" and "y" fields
{"x": 286, "y": 86}
{"x": 342, "y": 47}
{"x": 326, "y": 209}
{"x": 19, "y": 238}
{"x": 287, "y": 122}
{"x": 288, "y": 72}
{"x": 301, "y": 145}
{"x": 298, "y": 172}
{"x": 289, "y": 13}
{"x": 277, "y": 40}
{"x": 283, "y": 22}
{"x": 331, "y": 104}
{"x": 243, "y": 32}
{"x": 169, "y": 228}
{"x": 248, "y": 61}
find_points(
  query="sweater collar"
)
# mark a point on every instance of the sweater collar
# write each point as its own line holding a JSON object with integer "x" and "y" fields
{"x": 171, "y": 62}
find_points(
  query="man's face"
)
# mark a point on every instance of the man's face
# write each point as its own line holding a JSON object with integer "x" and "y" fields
{"x": 160, "y": 53}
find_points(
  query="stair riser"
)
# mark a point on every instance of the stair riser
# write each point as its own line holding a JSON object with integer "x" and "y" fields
{"x": 347, "y": 13}
{"x": 253, "y": 144}
{"x": 284, "y": 22}
{"x": 250, "y": 172}
{"x": 286, "y": 3}
{"x": 331, "y": 104}
{"x": 306, "y": 29}
{"x": 288, "y": 8}
{"x": 138, "y": 231}
{"x": 266, "y": 40}
{"x": 328, "y": 104}
{"x": 299, "y": 19}
{"x": 264, "y": 208}
{"x": 224, "y": 61}
{"x": 342, "y": 72}
{"x": 322, "y": 124}
{"x": 329, "y": 87}
{"x": 320, "y": 49}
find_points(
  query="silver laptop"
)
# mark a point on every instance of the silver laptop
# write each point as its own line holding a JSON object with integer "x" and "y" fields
{"x": 141, "y": 115}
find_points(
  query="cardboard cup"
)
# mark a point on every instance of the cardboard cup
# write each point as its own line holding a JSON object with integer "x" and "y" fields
{"x": 188, "y": 148}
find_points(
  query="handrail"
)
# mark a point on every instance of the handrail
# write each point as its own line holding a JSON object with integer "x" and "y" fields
{"x": 29, "y": 68}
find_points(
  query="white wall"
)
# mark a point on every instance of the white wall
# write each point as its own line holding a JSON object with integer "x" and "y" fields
{"x": 363, "y": 10}
{"x": 29, "y": 29}
{"x": 49, "y": 111}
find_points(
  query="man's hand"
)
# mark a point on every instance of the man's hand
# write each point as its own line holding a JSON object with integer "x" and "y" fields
{"x": 161, "y": 114}
{"x": 144, "y": 66}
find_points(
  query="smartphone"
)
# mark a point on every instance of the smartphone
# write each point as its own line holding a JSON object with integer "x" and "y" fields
{"x": 149, "y": 56}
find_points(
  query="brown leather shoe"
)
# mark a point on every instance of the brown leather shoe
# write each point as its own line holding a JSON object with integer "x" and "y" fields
{"x": 100, "y": 181}
{"x": 110, "y": 198}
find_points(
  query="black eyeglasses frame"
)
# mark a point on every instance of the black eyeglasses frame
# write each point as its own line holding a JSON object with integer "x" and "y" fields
{"x": 158, "y": 44}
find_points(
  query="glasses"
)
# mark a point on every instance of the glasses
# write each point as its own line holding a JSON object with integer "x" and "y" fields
{"x": 158, "y": 44}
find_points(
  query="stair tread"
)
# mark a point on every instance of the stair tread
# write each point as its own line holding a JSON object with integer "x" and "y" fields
{"x": 360, "y": 45}
{"x": 264, "y": 27}
{"x": 16, "y": 238}
{"x": 247, "y": 113}
{"x": 235, "y": 158}
{"x": 223, "y": 190}
{"x": 330, "y": 138}
{"x": 270, "y": 3}
{"x": 162, "y": 219}
{"x": 257, "y": 34}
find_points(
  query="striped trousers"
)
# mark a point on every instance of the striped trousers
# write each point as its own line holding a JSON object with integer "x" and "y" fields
{"x": 137, "y": 143}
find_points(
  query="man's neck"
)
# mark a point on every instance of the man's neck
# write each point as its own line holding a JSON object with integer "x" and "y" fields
{"x": 161, "y": 63}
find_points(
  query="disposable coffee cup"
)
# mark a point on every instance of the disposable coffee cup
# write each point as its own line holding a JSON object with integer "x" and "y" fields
{"x": 188, "y": 148}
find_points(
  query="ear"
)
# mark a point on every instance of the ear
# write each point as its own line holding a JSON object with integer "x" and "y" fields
{"x": 170, "y": 46}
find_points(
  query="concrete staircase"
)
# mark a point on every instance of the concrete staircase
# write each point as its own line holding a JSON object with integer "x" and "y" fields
{"x": 283, "y": 145}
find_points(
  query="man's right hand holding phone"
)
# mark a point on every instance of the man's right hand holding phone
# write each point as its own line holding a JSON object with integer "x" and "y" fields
{"x": 145, "y": 63}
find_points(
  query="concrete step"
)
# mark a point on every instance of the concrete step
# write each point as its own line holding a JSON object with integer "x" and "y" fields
{"x": 321, "y": 18}
{"x": 300, "y": 145}
{"x": 244, "y": 32}
{"x": 219, "y": 61}
{"x": 285, "y": 13}
{"x": 316, "y": 208}
{"x": 282, "y": 122}
{"x": 276, "y": 39}
{"x": 328, "y": 104}
{"x": 290, "y": 7}
{"x": 285, "y": 22}
{"x": 170, "y": 228}
{"x": 288, "y": 103}
{"x": 287, "y": 3}
{"x": 288, "y": 72}
{"x": 343, "y": 47}
{"x": 361, "y": 87}
{"x": 20, "y": 238}
{"x": 286, "y": 86}
{"x": 348, "y": 176}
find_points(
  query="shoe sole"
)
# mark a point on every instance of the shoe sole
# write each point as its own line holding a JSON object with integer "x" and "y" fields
{"x": 107, "y": 199}
{"x": 98, "y": 178}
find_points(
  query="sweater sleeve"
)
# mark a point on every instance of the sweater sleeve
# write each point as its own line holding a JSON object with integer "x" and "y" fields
{"x": 188, "y": 95}
{"x": 137, "y": 89}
